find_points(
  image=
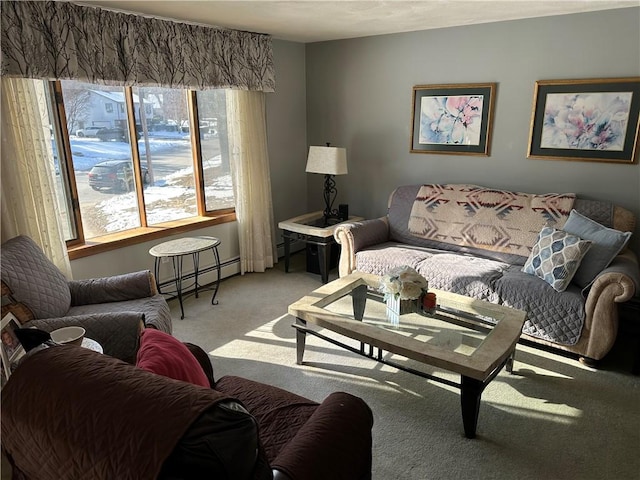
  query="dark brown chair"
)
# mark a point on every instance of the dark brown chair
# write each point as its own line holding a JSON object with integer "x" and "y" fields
{"x": 68, "y": 412}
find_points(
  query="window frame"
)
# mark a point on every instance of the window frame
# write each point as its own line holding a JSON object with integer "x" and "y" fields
{"x": 80, "y": 247}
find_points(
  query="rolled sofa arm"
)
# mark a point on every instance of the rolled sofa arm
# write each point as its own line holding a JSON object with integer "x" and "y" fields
{"x": 118, "y": 333}
{"x": 617, "y": 283}
{"x": 353, "y": 237}
{"x": 334, "y": 443}
{"x": 117, "y": 288}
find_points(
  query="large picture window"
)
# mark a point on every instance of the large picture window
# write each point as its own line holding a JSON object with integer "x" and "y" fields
{"x": 165, "y": 153}
{"x": 132, "y": 158}
{"x": 212, "y": 113}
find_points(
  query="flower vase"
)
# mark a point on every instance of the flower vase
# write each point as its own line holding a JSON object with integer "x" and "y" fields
{"x": 397, "y": 307}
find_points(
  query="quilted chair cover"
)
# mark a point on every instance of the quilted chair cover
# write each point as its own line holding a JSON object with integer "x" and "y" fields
{"x": 33, "y": 279}
{"x": 68, "y": 412}
{"x": 303, "y": 439}
{"x": 111, "y": 309}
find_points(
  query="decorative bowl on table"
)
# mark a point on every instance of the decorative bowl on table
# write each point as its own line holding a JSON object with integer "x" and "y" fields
{"x": 68, "y": 335}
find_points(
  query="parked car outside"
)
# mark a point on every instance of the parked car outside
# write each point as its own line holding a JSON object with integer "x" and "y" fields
{"x": 115, "y": 175}
{"x": 117, "y": 134}
{"x": 88, "y": 131}
{"x": 107, "y": 134}
{"x": 206, "y": 129}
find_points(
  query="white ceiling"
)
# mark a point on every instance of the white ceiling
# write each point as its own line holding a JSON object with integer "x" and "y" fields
{"x": 314, "y": 21}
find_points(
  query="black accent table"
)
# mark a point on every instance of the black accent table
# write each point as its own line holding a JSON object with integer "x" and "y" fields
{"x": 312, "y": 229}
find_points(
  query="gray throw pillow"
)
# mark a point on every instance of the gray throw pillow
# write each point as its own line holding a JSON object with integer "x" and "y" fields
{"x": 606, "y": 243}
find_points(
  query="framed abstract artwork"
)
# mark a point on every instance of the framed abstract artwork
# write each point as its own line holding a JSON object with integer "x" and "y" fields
{"x": 452, "y": 119}
{"x": 586, "y": 120}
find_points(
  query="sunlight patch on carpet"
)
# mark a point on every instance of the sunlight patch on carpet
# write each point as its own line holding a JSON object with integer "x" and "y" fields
{"x": 566, "y": 416}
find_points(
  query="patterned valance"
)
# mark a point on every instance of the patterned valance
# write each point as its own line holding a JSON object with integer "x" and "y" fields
{"x": 62, "y": 40}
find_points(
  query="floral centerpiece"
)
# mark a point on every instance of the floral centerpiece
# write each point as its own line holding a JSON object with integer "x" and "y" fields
{"x": 403, "y": 288}
{"x": 404, "y": 283}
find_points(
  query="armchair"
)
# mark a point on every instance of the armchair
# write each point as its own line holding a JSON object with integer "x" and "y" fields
{"x": 93, "y": 416}
{"x": 111, "y": 309}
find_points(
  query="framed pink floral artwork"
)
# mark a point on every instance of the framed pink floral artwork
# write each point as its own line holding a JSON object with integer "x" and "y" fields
{"x": 592, "y": 120}
{"x": 452, "y": 119}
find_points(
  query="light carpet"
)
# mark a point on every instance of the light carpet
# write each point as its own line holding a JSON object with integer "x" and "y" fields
{"x": 553, "y": 418}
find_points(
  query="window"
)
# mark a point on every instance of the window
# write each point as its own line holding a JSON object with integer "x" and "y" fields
{"x": 63, "y": 196}
{"x": 213, "y": 141}
{"x": 165, "y": 151}
{"x": 121, "y": 185}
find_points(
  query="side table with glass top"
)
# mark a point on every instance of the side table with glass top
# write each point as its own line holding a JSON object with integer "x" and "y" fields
{"x": 176, "y": 250}
{"x": 311, "y": 228}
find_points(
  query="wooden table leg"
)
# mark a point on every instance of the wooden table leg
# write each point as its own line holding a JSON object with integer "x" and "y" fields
{"x": 301, "y": 338}
{"x": 287, "y": 253}
{"x": 324, "y": 258}
{"x": 510, "y": 360}
{"x": 359, "y": 301}
{"x": 471, "y": 392}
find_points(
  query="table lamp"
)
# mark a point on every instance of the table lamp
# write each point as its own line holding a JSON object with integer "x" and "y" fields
{"x": 329, "y": 161}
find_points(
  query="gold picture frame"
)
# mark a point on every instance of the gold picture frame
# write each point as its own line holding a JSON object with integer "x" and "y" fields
{"x": 453, "y": 119}
{"x": 591, "y": 120}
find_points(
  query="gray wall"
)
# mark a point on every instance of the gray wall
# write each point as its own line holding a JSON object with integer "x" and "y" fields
{"x": 359, "y": 96}
{"x": 287, "y": 132}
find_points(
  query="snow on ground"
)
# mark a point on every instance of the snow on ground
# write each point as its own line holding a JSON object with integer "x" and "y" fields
{"x": 164, "y": 203}
{"x": 87, "y": 152}
{"x": 170, "y": 198}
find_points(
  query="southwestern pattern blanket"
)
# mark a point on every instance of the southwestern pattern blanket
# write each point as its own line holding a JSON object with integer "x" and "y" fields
{"x": 496, "y": 220}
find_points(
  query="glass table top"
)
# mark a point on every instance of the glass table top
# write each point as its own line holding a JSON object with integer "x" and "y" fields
{"x": 467, "y": 336}
{"x": 449, "y": 327}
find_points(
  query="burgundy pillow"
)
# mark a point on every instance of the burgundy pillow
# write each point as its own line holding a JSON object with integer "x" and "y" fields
{"x": 163, "y": 354}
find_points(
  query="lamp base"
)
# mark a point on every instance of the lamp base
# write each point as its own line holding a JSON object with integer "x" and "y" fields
{"x": 330, "y": 192}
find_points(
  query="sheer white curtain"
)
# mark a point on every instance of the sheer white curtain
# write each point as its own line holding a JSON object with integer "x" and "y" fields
{"x": 251, "y": 179}
{"x": 27, "y": 173}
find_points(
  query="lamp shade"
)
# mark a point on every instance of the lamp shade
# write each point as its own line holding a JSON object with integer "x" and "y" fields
{"x": 327, "y": 160}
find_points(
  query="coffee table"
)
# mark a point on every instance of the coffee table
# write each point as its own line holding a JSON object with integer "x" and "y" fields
{"x": 471, "y": 338}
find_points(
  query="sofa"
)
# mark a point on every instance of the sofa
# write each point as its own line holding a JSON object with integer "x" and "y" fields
{"x": 111, "y": 309}
{"x": 494, "y": 245}
{"x": 69, "y": 412}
